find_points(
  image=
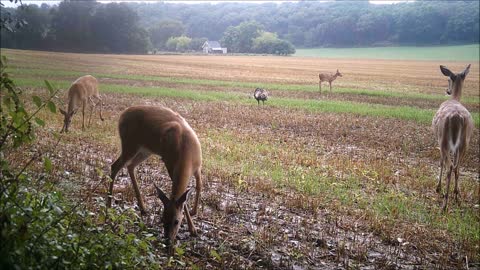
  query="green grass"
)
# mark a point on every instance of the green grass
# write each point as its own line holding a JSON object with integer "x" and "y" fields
{"x": 443, "y": 53}
{"x": 225, "y": 153}
{"x": 49, "y": 73}
{"x": 400, "y": 112}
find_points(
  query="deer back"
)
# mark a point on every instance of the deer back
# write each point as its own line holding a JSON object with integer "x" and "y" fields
{"x": 80, "y": 90}
{"x": 163, "y": 132}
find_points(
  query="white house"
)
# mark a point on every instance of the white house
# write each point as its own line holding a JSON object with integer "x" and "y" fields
{"x": 213, "y": 47}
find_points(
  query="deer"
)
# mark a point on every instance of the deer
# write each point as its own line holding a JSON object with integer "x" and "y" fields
{"x": 327, "y": 78}
{"x": 147, "y": 130}
{"x": 82, "y": 91}
{"x": 260, "y": 94}
{"x": 453, "y": 128}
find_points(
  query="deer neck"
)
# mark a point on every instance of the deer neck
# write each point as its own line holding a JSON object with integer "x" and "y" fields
{"x": 457, "y": 91}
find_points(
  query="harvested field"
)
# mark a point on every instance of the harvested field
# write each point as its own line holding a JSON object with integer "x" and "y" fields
{"x": 304, "y": 182}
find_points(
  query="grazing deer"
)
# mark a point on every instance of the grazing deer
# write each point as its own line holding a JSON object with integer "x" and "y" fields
{"x": 146, "y": 130}
{"x": 260, "y": 94}
{"x": 453, "y": 128}
{"x": 83, "y": 90}
{"x": 327, "y": 78}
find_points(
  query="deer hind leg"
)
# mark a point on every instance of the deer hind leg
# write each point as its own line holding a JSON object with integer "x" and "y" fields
{"x": 456, "y": 191}
{"x": 449, "y": 176}
{"x": 92, "y": 107}
{"x": 127, "y": 154}
{"x": 84, "y": 104}
{"x": 320, "y": 86}
{"x": 442, "y": 164}
{"x": 330, "y": 83}
{"x": 198, "y": 190}
{"x": 139, "y": 158}
{"x": 101, "y": 104}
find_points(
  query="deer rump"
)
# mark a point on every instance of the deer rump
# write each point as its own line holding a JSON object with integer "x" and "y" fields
{"x": 451, "y": 130}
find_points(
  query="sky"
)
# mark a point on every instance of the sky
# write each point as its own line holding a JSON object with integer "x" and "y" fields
{"x": 39, "y": 2}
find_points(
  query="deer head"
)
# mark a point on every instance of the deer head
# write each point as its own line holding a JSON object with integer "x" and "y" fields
{"x": 67, "y": 120}
{"x": 172, "y": 215}
{"x": 455, "y": 81}
{"x": 338, "y": 73}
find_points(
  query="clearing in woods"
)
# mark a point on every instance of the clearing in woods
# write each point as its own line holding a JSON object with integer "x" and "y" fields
{"x": 343, "y": 179}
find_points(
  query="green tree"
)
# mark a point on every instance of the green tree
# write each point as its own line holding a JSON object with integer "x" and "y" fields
{"x": 179, "y": 44}
{"x": 160, "y": 33}
{"x": 269, "y": 43}
{"x": 197, "y": 43}
{"x": 240, "y": 38}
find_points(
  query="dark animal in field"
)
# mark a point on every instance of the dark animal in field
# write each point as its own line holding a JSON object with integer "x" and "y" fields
{"x": 260, "y": 94}
{"x": 327, "y": 78}
{"x": 453, "y": 128}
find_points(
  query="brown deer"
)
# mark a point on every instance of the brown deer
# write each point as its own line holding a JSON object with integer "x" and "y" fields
{"x": 453, "y": 128}
{"x": 146, "y": 130}
{"x": 327, "y": 78}
{"x": 82, "y": 91}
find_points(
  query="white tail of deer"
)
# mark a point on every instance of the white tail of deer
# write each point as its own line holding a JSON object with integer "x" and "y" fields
{"x": 82, "y": 91}
{"x": 453, "y": 128}
{"x": 146, "y": 130}
{"x": 327, "y": 78}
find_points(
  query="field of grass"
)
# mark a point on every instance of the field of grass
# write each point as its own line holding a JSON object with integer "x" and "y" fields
{"x": 444, "y": 53}
{"x": 315, "y": 180}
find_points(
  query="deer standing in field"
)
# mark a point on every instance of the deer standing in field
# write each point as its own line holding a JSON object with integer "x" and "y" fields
{"x": 82, "y": 91}
{"x": 453, "y": 128}
{"x": 260, "y": 94}
{"x": 146, "y": 130}
{"x": 327, "y": 78}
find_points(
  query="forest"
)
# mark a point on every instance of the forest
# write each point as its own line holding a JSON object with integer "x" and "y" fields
{"x": 274, "y": 28}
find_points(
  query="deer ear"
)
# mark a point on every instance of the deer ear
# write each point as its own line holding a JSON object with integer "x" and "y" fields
{"x": 183, "y": 198}
{"x": 465, "y": 72}
{"x": 162, "y": 195}
{"x": 446, "y": 71}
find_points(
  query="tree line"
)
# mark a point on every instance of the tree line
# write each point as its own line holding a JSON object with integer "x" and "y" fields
{"x": 274, "y": 28}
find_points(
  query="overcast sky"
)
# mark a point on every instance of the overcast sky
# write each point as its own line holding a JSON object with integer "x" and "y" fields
{"x": 39, "y": 2}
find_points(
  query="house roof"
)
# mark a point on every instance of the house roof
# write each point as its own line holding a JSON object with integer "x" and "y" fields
{"x": 213, "y": 44}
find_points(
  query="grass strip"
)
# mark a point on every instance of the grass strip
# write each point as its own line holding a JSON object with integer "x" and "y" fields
{"x": 281, "y": 87}
{"x": 423, "y": 116}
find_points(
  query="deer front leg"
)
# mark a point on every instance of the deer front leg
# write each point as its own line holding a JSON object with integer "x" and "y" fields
{"x": 330, "y": 83}
{"x": 191, "y": 226}
{"x": 320, "y": 86}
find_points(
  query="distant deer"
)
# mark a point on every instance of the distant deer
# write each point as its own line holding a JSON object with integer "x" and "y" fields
{"x": 146, "y": 130}
{"x": 327, "y": 78}
{"x": 453, "y": 128}
{"x": 82, "y": 91}
{"x": 260, "y": 94}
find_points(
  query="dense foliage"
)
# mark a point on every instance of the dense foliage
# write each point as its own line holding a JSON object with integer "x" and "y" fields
{"x": 39, "y": 227}
{"x": 78, "y": 26}
{"x": 89, "y": 26}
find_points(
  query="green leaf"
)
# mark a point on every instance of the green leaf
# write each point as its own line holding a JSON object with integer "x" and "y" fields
{"x": 52, "y": 106}
{"x": 47, "y": 163}
{"x": 37, "y": 100}
{"x": 40, "y": 122}
{"x": 50, "y": 88}
{"x": 215, "y": 254}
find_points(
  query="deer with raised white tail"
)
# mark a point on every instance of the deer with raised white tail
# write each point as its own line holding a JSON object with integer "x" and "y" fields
{"x": 82, "y": 91}
{"x": 453, "y": 128}
{"x": 146, "y": 130}
{"x": 327, "y": 78}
